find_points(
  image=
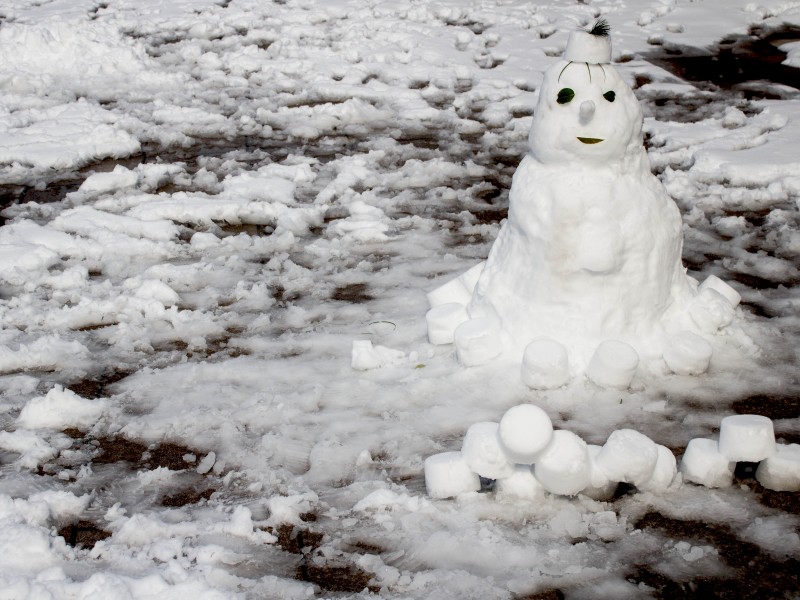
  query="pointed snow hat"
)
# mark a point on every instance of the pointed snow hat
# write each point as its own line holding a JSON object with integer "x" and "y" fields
{"x": 593, "y": 47}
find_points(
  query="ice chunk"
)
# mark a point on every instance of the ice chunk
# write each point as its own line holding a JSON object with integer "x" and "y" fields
{"x": 748, "y": 438}
{"x": 525, "y": 431}
{"x": 563, "y": 467}
{"x": 483, "y": 453}
{"x": 688, "y": 354}
{"x": 704, "y": 464}
{"x": 59, "y": 409}
{"x": 628, "y": 456}
{"x": 477, "y": 342}
{"x": 365, "y": 356}
{"x": 600, "y": 486}
{"x": 545, "y": 365}
{"x": 711, "y": 311}
{"x": 613, "y": 364}
{"x": 447, "y": 475}
{"x": 457, "y": 290}
{"x": 781, "y": 471}
{"x": 715, "y": 283}
{"x": 521, "y": 484}
{"x": 664, "y": 472}
{"x": 443, "y": 320}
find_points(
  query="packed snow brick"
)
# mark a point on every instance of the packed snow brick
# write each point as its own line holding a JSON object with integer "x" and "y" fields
{"x": 483, "y": 453}
{"x": 664, "y": 473}
{"x": 443, "y": 320}
{"x": 563, "y": 468}
{"x": 447, "y": 475}
{"x": 628, "y": 456}
{"x": 688, "y": 354}
{"x": 781, "y": 471}
{"x": 703, "y": 463}
{"x": 613, "y": 364}
{"x": 545, "y": 365}
{"x": 520, "y": 484}
{"x": 746, "y": 438}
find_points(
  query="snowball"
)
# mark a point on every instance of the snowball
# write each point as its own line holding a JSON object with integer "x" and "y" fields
{"x": 447, "y": 475}
{"x": 483, "y": 453}
{"x": 726, "y": 291}
{"x": 600, "y": 486}
{"x": 748, "y": 438}
{"x": 520, "y": 484}
{"x": 628, "y": 456}
{"x": 613, "y": 364}
{"x": 704, "y": 464}
{"x": 525, "y": 431}
{"x": 545, "y": 364}
{"x": 458, "y": 290}
{"x": 781, "y": 471}
{"x": 59, "y": 409}
{"x": 443, "y": 320}
{"x": 688, "y": 354}
{"x": 710, "y": 310}
{"x": 664, "y": 472}
{"x": 563, "y": 467}
{"x": 477, "y": 342}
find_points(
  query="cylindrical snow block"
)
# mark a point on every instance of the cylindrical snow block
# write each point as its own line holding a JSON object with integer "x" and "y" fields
{"x": 711, "y": 311}
{"x": 520, "y": 484}
{"x": 628, "y": 456}
{"x": 584, "y": 47}
{"x": 715, "y": 283}
{"x": 545, "y": 365}
{"x": 477, "y": 342}
{"x": 688, "y": 354}
{"x": 442, "y": 321}
{"x": 746, "y": 438}
{"x": 702, "y": 463}
{"x": 525, "y": 431}
{"x": 613, "y": 364}
{"x": 664, "y": 472}
{"x": 781, "y": 471}
{"x": 458, "y": 289}
{"x": 563, "y": 467}
{"x": 447, "y": 475}
{"x": 600, "y": 486}
{"x": 483, "y": 453}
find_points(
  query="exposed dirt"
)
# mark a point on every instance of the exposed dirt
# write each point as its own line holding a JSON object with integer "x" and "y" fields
{"x": 757, "y": 574}
{"x": 84, "y": 534}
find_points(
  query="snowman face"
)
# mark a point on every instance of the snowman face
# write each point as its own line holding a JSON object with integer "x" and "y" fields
{"x": 585, "y": 113}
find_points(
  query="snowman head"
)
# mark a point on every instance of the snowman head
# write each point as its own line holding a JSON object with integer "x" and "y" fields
{"x": 586, "y": 113}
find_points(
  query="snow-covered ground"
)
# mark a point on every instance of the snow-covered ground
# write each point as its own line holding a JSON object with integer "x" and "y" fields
{"x": 205, "y": 205}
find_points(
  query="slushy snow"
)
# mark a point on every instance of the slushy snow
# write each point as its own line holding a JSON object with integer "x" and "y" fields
{"x": 204, "y": 204}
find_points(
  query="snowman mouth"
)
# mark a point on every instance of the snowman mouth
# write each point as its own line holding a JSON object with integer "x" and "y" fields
{"x": 590, "y": 140}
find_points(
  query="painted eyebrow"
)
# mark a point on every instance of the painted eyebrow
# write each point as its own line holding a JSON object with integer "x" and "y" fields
{"x": 588, "y": 69}
{"x": 562, "y": 71}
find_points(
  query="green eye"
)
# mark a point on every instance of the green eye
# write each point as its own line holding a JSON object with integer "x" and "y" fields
{"x": 610, "y": 96}
{"x": 565, "y": 95}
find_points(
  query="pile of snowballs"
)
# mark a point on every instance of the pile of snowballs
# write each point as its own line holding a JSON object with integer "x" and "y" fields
{"x": 525, "y": 457}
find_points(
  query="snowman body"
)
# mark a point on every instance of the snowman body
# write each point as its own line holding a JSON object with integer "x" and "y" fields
{"x": 591, "y": 249}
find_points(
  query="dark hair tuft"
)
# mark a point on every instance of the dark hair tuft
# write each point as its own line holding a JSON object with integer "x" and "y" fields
{"x": 601, "y": 28}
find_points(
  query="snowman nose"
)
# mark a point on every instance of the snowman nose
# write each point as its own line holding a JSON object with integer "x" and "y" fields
{"x": 586, "y": 111}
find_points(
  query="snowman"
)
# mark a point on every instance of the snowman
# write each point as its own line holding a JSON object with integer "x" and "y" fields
{"x": 585, "y": 276}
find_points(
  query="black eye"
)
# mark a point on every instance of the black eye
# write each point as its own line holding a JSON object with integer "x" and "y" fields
{"x": 565, "y": 95}
{"x": 610, "y": 96}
